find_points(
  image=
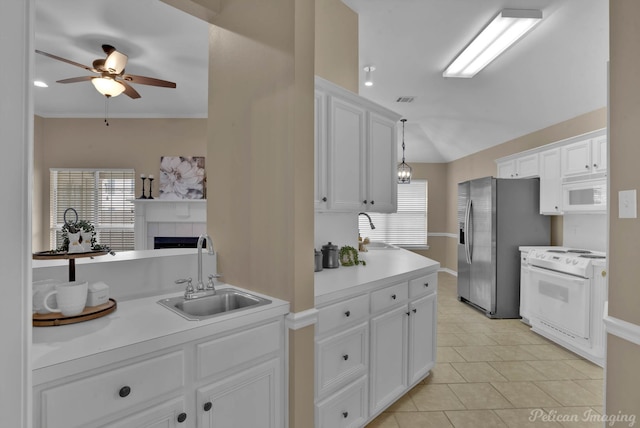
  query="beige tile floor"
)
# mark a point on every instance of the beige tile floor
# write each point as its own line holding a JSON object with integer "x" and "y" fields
{"x": 497, "y": 373}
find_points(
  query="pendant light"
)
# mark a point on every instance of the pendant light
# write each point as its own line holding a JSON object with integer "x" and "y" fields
{"x": 404, "y": 170}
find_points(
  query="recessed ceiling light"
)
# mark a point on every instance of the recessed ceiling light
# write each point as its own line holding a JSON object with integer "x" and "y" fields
{"x": 40, "y": 84}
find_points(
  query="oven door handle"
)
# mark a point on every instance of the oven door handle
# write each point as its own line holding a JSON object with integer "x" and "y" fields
{"x": 561, "y": 276}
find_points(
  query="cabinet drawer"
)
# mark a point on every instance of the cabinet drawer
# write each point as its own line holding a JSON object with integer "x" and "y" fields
{"x": 345, "y": 409}
{"x": 341, "y": 358}
{"x": 342, "y": 313}
{"x": 424, "y": 285}
{"x": 230, "y": 351}
{"x": 389, "y": 296}
{"x": 78, "y": 403}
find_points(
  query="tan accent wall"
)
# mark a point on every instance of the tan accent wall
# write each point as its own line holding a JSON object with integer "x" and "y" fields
{"x": 261, "y": 140}
{"x": 88, "y": 143}
{"x": 336, "y": 44}
{"x": 623, "y": 379}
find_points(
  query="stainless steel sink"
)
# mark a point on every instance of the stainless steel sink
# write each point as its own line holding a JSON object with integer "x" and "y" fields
{"x": 225, "y": 300}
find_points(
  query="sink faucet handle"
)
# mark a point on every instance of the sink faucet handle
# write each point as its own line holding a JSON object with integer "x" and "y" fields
{"x": 190, "y": 288}
{"x": 210, "y": 284}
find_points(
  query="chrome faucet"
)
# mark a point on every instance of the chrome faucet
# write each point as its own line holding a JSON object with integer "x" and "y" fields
{"x": 201, "y": 239}
{"x": 370, "y": 222}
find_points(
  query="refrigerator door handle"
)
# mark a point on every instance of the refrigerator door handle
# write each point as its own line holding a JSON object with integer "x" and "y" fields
{"x": 467, "y": 242}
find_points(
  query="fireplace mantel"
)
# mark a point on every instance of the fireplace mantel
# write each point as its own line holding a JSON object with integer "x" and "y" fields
{"x": 186, "y": 217}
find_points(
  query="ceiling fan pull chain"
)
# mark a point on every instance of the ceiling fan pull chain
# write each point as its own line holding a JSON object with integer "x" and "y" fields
{"x": 106, "y": 111}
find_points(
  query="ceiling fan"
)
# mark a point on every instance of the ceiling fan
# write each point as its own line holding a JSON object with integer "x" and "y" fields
{"x": 112, "y": 80}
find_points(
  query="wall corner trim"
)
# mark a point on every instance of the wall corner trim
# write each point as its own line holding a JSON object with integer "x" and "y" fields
{"x": 298, "y": 320}
{"x": 623, "y": 329}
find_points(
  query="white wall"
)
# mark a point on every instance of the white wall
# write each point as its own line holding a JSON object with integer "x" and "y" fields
{"x": 588, "y": 231}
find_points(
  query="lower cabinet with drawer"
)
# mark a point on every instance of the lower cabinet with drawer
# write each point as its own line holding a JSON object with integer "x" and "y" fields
{"x": 367, "y": 360}
{"x": 203, "y": 383}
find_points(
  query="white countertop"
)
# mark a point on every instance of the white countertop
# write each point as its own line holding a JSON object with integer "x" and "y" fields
{"x": 137, "y": 321}
{"x": 383, "y": 266}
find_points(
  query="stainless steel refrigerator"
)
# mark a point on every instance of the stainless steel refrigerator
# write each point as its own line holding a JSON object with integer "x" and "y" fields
{"x": 495, "y": 217}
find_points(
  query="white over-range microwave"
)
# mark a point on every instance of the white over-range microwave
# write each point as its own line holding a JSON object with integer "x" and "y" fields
{"x": 587, "y": 196}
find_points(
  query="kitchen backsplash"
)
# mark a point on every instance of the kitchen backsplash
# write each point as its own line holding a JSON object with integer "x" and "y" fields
{"x": 588, "y": 231}
{"x": 338, "y": 228}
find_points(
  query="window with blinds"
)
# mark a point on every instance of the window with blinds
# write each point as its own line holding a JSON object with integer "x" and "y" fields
{"x": 101, "y": 197}
{"x": 406, "y": 228}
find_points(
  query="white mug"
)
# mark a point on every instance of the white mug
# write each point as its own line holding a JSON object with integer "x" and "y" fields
{"x": 70, "y": 296}
{"x": 40, "y": 289}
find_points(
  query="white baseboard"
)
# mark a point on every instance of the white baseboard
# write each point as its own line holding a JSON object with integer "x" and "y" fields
{"x": 449, "y": 271}
{"x": 298, "y": 320}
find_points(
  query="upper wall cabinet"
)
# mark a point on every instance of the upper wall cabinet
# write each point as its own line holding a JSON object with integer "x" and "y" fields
{"x": 585, "y": 157}
{"x": 355, "y": 152}
{"x": 520, "y": 167}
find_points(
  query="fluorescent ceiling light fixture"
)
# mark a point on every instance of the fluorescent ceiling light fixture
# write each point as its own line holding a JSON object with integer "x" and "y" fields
{"x": 40, "y": 84}
{"x": 505, "y": 29}
{"x": 107, "y": 86}
{"x": 368, "y": 78}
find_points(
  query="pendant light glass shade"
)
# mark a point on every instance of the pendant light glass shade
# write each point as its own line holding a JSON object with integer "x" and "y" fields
{"x": 404, "y": 170}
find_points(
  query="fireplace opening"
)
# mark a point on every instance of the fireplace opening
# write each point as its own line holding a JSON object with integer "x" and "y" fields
{"x": 160, "y": 242}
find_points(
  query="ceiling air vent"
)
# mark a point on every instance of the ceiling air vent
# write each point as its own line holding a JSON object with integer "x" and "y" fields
{"x": 408, "y": 99}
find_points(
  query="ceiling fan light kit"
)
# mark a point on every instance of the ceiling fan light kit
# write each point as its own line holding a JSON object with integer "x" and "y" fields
{"x": 502, "y": 32}
{"x": 107, "y": 86}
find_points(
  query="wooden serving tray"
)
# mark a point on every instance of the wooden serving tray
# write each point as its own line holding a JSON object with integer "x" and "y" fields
{"x": 89, "y": 313}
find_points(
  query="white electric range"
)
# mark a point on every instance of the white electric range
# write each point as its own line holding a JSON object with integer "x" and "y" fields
{"x": 566, "y": 289}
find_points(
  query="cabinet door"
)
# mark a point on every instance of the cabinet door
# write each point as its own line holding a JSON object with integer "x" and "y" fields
{"x": 599, "y": 154}
{"x": 507, "y": 169}
{"x": 576, "y": 158}
{"x": 422, "y": 337}
{"x": 550, "y": 182}
{"x": 527, "y": 166}
{"x": 346, "y": 149}
{"x": 382, "y": 185}
{"x": 251, "y": 398}
{"x": 320, "y": 152}
{"x": 167, "y": 415}
{"x": 388, "y": 357}
{"x": 525, "y": 292}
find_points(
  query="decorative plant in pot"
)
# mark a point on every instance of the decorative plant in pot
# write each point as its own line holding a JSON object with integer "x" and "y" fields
{"x": 349, "y": 256}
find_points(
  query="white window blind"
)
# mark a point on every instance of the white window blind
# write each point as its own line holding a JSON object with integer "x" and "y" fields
{"x": 101, "y": 197}
{"x": 406, "y": 228}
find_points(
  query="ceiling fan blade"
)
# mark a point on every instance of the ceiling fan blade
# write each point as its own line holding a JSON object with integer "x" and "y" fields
{"x": 142, "y": 80}
{"x": 115, "y": 62}
{"x": 129, "y": 91}
{"x": 68, "y": 61}
{"x": 76, "y": 79}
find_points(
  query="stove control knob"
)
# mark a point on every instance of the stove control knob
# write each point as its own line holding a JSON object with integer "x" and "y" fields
{"x": 575, "y": 262}
{"x": 567, "y": 261}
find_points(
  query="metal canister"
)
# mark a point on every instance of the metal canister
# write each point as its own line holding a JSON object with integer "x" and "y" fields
{"x": 330, "y": 256}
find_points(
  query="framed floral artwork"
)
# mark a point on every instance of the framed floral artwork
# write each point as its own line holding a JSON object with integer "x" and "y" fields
{"x": 182, "y": 177}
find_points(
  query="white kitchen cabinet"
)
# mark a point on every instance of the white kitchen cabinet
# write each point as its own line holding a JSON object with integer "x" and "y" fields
{"x": 382, "y": 192}
{"x": 550, "y": 182}
{"x": 585, "y": 157}
{"x": 520, "y": 167}
{"x": 422, "y": 337}
{"x": 371, "y": 347}
{"x": 249, "y": 398}
{"x": 355, "y": 152}
{"x": 232, "y": 371}
{"x": 389, "y": 348}
{"x": 320, "y": 194}
{"x": 167, "y": 415}
{"x": 346, "y": 149}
